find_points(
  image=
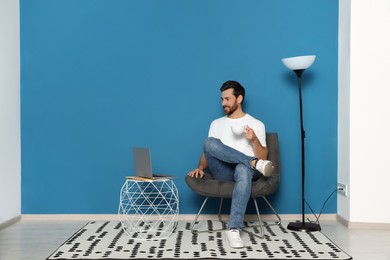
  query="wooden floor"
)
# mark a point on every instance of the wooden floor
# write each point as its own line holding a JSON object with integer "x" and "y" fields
{"x": 36, "y": 240}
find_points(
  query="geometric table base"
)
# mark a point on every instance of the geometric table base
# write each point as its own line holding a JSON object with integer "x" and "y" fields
{"x": 149, "y": 209}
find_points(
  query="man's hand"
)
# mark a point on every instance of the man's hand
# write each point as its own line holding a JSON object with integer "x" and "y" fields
{"x": 197, "y": 173}
{"x": 258, "y": 149}
{"x": 250, "y": 134}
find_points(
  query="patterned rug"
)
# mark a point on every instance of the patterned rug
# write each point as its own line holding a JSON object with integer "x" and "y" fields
{"x": 107, "y": 240}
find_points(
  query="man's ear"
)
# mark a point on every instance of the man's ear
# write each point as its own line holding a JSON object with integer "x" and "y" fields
{"x": 240, "y": 99}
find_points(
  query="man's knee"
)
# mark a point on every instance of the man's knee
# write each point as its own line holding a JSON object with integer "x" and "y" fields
{"x": 243, "y": 173}
{"x": 210, "y": 144}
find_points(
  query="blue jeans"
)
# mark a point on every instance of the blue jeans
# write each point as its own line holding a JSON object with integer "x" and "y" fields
{"x": 227, "y": 164}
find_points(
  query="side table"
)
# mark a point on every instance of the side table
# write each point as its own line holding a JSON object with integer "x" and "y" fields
{"x": 149, "y": 209}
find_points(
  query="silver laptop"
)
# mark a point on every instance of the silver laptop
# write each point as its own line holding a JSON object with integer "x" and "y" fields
{"x": 143, "y": 164}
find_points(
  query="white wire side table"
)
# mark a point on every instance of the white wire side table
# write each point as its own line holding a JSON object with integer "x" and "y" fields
{"x": 149, "y": 209}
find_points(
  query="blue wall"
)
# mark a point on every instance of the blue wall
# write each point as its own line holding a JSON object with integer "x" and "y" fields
{"x": 100, "y": 77}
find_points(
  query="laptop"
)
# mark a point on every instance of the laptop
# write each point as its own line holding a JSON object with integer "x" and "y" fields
{"x": 143, "y": 165}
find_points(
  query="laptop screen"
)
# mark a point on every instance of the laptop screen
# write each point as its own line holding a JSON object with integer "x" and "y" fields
{"x": 142, "y": 162}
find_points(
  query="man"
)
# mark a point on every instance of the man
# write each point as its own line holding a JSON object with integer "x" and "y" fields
{"x": 233, "y": 155}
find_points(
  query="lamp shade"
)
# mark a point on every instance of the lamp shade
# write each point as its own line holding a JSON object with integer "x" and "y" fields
{"x": 299, "y": 62}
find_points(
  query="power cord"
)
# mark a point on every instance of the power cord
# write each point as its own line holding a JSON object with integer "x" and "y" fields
{"x": 318, "y": 218}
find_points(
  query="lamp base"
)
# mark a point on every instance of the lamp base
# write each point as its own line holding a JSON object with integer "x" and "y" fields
{"x": 304, "y": 226}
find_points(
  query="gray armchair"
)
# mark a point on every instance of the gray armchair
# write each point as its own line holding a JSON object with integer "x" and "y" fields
{"x": 208, "y": 187}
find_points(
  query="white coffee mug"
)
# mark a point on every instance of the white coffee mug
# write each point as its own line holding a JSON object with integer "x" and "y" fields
{"x": 238, "y": 129}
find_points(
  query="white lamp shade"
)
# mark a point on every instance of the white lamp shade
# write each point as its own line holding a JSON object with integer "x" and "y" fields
{"x": 299, "y": 62}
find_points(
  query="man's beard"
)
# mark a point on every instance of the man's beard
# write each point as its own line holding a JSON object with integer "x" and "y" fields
{"x": 230, "y": 110}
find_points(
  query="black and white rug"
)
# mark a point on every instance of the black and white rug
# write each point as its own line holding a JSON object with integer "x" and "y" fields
{"x": 106, "y": 240}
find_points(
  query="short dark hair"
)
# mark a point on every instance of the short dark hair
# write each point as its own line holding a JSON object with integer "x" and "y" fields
{"x": 238, "y": 89}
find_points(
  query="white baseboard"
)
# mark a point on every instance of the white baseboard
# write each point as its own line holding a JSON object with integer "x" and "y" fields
{"x": 93, "y": 217}
{"x": 190, "y": 217}
{"x": 68, "y": 217}
{"x": 10, "y": 222}
{"x": 362, "y": 225}
{"x": 265, "y": 217}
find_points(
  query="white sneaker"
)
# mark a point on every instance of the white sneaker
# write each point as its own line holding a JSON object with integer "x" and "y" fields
{"x": 265, "y": 167}
{"x": 234, "y": 239}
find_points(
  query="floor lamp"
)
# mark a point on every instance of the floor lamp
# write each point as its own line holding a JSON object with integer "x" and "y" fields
{"x": 299, "y": 65}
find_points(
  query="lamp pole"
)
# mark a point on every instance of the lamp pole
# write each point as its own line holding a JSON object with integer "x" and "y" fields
{"x": 302, "y": 226}
{"x": 299, "y": 74}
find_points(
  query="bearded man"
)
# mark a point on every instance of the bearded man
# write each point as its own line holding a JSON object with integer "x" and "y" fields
{"x": 231, "y": 154}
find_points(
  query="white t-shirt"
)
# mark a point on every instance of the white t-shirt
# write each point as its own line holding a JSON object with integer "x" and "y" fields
{"x": 221, "y": 128}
